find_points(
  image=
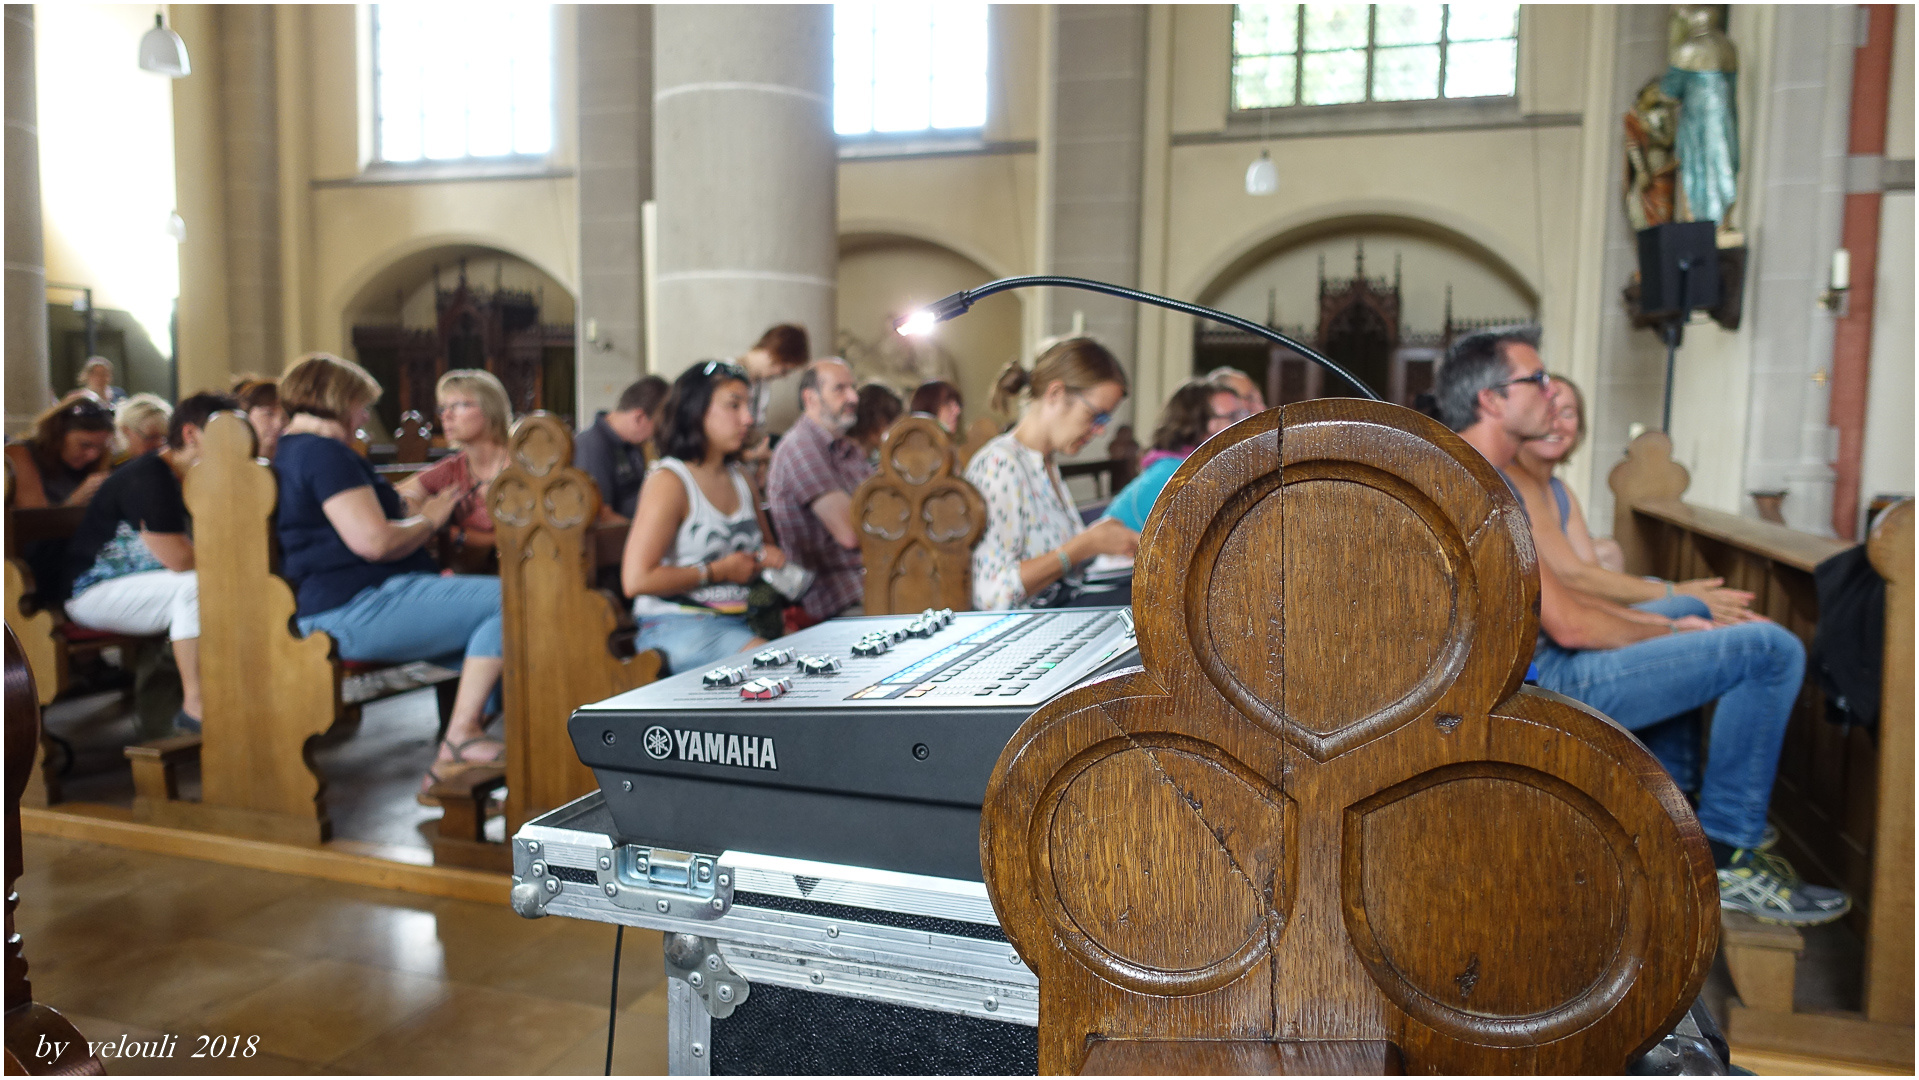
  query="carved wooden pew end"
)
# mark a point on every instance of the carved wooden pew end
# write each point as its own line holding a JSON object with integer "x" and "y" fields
{"x": 918, "y": 520}
{"x": 467, "y": 799}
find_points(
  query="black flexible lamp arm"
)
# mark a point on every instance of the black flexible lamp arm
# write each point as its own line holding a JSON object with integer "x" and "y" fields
{"x": 953, "y": 306}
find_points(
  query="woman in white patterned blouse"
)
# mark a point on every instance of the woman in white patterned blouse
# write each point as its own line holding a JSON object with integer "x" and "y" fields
{"x": 1034, "y": 536}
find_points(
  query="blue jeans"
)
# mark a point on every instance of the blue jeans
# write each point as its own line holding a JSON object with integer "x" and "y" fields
{"x": 1752, "y": 670}
{"x": 416, "y": 617}
{"x": 691, "y": 640}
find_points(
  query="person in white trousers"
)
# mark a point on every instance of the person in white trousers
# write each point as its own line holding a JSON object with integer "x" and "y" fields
{"x": 130, "y": 563}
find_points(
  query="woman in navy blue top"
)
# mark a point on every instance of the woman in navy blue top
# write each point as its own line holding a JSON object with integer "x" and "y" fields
{"x": 354, "y": 556}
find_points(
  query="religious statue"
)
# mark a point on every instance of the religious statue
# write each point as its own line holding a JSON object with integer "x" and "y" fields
{"x": 1703, "y": 67}
{"x": 1650, "y": 166}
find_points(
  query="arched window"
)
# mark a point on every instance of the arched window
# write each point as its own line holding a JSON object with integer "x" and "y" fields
{"x": 908, "y": 67}
{"x": 473, "y": 81}
{"x": 1337, "y": 54}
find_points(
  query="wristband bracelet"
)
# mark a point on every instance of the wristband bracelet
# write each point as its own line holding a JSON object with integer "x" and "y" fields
{"x": 706, "y": 573}
{"x": 1669, "y": 590}
{"x": 1672, "y": 628}
{"x": 1065, "y": 564}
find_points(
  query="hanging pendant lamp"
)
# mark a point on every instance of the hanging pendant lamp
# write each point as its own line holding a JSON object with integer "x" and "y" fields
{"x": 1262, "y": 176}
{"x": 162, "y": 51}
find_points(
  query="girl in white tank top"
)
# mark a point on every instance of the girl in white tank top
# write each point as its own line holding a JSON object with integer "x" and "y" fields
{"x": 705, "y": 535}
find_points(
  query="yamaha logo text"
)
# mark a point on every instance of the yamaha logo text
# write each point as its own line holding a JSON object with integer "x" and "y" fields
{"x": 711, "y": 747}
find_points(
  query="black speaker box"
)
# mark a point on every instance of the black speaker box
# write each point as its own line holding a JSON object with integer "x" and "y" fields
{"x": 1660, "y": 250}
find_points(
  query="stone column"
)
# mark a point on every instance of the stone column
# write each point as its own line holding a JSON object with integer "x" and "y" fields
{"x": 1789, "y": 443}
{"x": 1098, "y": 128}
{"x": 28, "y": 387}
{"x": 746, "y": 180}
{"x": 248, "y": 104}
{"x": 616, "y": 179}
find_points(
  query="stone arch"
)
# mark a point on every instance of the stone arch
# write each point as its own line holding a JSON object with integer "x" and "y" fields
{"x": 1253, "y": 247}
{"x": 396, "y": 290}
{"x": 885, "y": 270}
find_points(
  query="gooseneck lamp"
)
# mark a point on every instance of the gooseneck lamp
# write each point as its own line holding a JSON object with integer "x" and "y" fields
{"x": 951, "y": 307}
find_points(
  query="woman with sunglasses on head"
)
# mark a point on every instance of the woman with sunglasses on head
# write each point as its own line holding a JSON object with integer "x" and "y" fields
{"x": 353, "y": 554}
{"x": 1034, "y": 535}
{"x": 697, "y": 539}
{"x": 1569, "y": 549}
{"x": 475, "y": 414}
{"x": 1196, "y": 412}
{"x": 64, "y": 461}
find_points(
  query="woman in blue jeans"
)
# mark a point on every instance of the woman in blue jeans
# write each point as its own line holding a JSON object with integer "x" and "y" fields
{"x": 697, "y": 539}
{"x": 355, "y": 560}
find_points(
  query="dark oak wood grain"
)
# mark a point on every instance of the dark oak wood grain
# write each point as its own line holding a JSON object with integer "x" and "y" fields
{"x": 30, "y": 1025}
{"x": 918, "y": 519}
{"x": 566, "y": 642}
{"x": 1325, "y": 812}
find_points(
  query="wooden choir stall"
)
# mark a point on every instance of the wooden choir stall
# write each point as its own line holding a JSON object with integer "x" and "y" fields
{"x": 1843, "y": 799}
{"x": 1326, "y": 828}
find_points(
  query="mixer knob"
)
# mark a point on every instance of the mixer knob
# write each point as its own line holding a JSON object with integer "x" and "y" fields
{"x": 765, "y": 689}
{"x": 772, "y": 658}
{"x": 871, "y": 647}
{"x": 946, "y": 616}
{"x": 920, "y": 628}
{"x": 819, "y": 665}
{"x": 724, "y": 676}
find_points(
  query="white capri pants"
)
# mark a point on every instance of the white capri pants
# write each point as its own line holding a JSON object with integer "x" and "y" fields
{"x": 142, "y": 604}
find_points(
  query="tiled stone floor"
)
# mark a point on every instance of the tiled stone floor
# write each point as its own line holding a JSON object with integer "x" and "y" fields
{"x": 331, "y": 978}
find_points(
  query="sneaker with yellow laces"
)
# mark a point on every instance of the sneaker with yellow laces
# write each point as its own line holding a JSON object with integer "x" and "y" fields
{"x": 1766, "y": 887}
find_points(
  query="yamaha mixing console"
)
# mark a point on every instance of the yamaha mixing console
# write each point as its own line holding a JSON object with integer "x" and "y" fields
{"x": 861, "y": 741}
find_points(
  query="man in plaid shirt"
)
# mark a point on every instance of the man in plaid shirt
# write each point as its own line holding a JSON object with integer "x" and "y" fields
{"x": 816, "y": 469}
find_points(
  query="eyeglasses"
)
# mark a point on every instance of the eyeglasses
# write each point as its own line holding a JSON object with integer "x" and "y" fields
{"x": 87, "y": 407}
{"x": 1100, "y": 419}
{"x": 1233, "y": 417}
{"x": 1540, "y": 380}
{"x": 724, "y": 369}
{"x": 455, "y": 406}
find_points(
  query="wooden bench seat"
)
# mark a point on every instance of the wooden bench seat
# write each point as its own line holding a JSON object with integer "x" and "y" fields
{"x": 1843, "y": 797}
{"x": 567, "y": 642}
{"x": 51, "y": 641}
{"x": 271, "y": 696}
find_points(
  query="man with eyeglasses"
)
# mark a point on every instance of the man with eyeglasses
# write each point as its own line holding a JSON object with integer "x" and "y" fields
{"x": 1645, "y": 664}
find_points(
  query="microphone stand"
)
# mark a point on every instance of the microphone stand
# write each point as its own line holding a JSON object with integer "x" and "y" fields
{"x": 1675, "y": 333}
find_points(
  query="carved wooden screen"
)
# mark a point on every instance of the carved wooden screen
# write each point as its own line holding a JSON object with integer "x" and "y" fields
{"x": 557, "y": 629}
{"x": 918, "y": 521}
{"x": 1325, "y": 814}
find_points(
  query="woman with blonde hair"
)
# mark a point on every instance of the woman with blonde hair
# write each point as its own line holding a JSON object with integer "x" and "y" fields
{"x": 1034, "y": 535}
{"x": 139, "y": 426}
{"x": 475, "y": 415}
{"x": 352, "y": 553}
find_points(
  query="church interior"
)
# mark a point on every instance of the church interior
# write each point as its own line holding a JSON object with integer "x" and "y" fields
{"x": 297, "y": 779}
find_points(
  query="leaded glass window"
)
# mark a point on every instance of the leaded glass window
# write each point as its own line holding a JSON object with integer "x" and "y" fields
{"x": 1339, "y": 54}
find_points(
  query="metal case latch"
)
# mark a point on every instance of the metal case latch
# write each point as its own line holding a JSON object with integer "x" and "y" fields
{"x": 697, "y": 961}
{"x": 661, "y": 881}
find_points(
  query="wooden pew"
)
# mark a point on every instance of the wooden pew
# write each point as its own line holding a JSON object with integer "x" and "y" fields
{"x": 918, "y": 520}
{"x": 270, "y": 695}
{"x": 1843, "y": 799}
{"x": 413, "y": 439}
{"x": 48, "y": 639}
{"x": 567, "y": 642}
{"x": 1326, "y": 828}
{"x": 30, "y": 1026}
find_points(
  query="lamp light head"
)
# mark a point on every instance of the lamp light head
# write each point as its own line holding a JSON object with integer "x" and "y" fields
{"x": 1262, "y": 176}
{"x": 162, "y": 51}
{"x": 922, "y": 322}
